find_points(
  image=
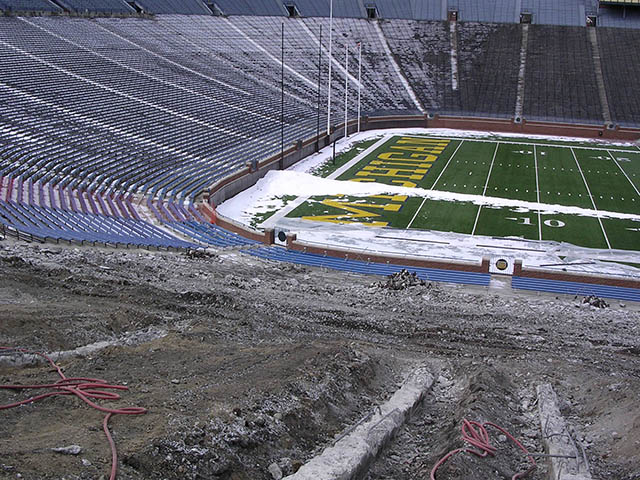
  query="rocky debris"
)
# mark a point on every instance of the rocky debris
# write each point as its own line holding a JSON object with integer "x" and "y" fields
{"x": 402, "y": 280}
{"x": 275, "y": 471}
{"x": 274, "y": 361}
{"x": 198, "y": 254}
{"x": 595, "y": 301}
{"x": 69, "y": 450}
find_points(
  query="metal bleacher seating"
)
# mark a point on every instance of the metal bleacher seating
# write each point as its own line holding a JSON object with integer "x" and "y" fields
{"x": 97, "y": 6}
{"x": 182, "y": 7}
{"x": 367, "y": 268}
{"x": 488, "y": 63}
{"x": 621, "y": 70}
{"x": 19, "y": 6}
{"x": 576, "y": 288}
{"x": 560, "y": 76}
{"x": 423, "y": 52}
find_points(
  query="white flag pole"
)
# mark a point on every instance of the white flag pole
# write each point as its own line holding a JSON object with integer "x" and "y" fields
{"x": 346, "y": 86}
{"x": 359, "y": 79}
{"x": 329, "y": 92}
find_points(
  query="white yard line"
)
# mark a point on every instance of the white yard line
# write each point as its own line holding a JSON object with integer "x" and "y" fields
{"x": 512, "y": 142}
{"x": 445, "y": 167}
{"x": 484, "y": 191}
{"x": 535, "y": 157}
{"x": 623, "y": 172}
{"x": 357, "y": 158}
{"x": 424, "y": 200}
{"x": 273, "y": 219}
{"x": 591, "y": 197}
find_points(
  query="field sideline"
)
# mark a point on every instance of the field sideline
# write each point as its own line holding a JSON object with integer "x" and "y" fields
{"x": 597, "y": 178}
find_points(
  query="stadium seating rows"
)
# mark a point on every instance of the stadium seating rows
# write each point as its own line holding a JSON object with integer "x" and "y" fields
{"x": 576, "y": 288}
{"x": 367, "y": 268}
{"x": 168, "y": 107}
{"x": 560, "y": 77}
{"x": 164, "y": 108}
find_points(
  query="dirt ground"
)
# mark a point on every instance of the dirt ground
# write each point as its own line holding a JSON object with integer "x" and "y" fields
{"x": 243, "y": 364}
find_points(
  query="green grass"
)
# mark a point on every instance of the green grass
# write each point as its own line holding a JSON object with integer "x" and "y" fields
{"x": 542, "y": 141}
{"x": 513, "y": 174}
{"x": 331, "y": 166}
{"x": 508, "y": 222}
{"x": 619, "y": 234}
{"x": 258, "y": 218}
{"x": 564, "y": 176}
{"x": 577, "y": 229}
{"x": 560, "y": 181}
{"x": 467, "y": 171}
{"x": 610, "y": 189}
{"x": 630, "y": 163}
{"x": 438, "y": 215}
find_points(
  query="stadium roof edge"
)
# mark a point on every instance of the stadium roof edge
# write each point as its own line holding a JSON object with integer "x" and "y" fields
{"x": 608, "y": 13}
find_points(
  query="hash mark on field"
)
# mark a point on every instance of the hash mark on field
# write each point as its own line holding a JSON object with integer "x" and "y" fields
{"x": 434, "y": 184}
{"x": 519, "y": 142}
{"x": 475, "y": 224}
{"x": 445, "y": 167}
{"x": 623, "y": 172}
{"x": 591, "y": 197}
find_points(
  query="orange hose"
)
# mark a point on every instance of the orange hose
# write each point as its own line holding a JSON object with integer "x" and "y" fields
{"x": 84, "y": 388}
{"x": 475, "y": 434}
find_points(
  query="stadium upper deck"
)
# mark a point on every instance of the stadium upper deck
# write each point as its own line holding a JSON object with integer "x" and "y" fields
{"x": 541, "y": 12}
{"x": 164, "y": 107}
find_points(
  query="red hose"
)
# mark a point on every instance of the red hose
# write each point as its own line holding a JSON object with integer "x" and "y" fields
{"x": 84, "y": 388}
{"x": 475, "y": 434}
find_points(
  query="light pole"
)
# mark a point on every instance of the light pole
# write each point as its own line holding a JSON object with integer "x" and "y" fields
{"x": 359, "y": 80}
{"x": 330, "y": 42}
{"x": 346, "y": 87}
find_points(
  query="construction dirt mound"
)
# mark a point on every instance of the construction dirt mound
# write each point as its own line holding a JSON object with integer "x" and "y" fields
{"x": 247, "y": 369}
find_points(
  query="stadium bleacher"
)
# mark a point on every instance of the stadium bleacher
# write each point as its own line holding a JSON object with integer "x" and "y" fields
{"x": 182, "y": 7}
{"x": 123, "y": 122}
{"x": 25, "y": 6}
{"x": 560, "y": 76}
{"x": 97, "y": 6}
{"x": 489, "y": 62}
{"x": 618, "y": 47}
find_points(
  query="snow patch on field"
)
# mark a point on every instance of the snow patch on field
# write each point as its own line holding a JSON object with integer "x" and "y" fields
{"x": 304, "y": 184}
{"x": 267, "y": 195}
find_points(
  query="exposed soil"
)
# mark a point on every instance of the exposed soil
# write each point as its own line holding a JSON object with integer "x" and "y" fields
{"x": 244, "y": 363}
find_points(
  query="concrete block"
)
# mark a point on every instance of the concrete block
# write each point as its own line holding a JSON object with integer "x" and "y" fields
{"x": 567, "y": 460}
{"x": 350, "y": 456}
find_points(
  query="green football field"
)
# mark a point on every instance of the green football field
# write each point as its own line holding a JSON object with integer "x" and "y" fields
{"x": 598, "y": 178}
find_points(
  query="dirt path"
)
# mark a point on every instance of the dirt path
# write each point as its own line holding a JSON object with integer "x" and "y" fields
{"x": 244, "y": 363}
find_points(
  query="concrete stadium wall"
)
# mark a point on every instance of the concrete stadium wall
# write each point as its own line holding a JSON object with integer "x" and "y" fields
{"x": 294, "y": 244}
{"x": 519, "y": 271}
